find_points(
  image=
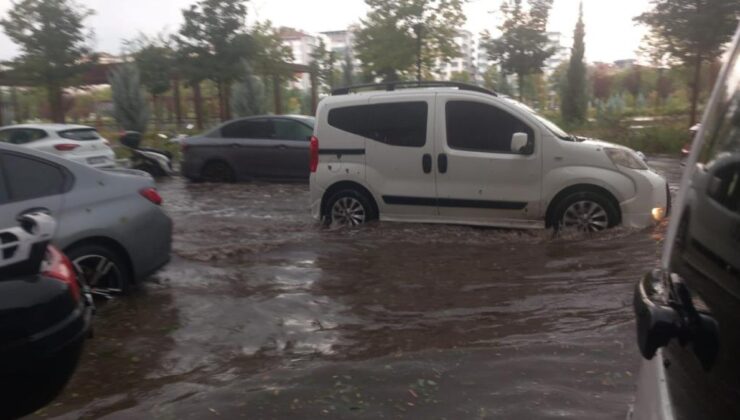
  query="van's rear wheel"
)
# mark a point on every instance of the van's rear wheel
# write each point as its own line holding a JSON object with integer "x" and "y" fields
{"x": 349, "y": 208}
{"x": 585, "y": 211}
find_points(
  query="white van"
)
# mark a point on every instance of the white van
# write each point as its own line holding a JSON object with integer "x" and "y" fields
{"x": 454, "y": 153}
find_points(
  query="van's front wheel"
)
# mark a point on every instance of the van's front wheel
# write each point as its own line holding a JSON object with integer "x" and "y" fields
{"x": 349, "y": 208}
{"x": 586, "y": 212}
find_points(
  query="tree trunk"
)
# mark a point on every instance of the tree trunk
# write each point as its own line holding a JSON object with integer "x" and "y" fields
{"x": 315, "y": 93}
{"x": 220, "y": 93}
{"x": 695, "y": 89}
{"x": 2, "y": 109}
{"x": 14, "y": 105}
{"x": 198, "y": 106}
{"x": 178, "y": 105}
{"x": 56, "y": 110}
{"x": 520, "y": 88}
{"x": 227, "y": 99}
{"x": 277, "y": 94}
{"x": 157, "y": 113}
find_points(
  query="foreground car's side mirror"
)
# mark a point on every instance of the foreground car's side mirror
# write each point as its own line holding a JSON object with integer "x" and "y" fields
{"x": 519, "y": 142}
{"x": 663, "y": 315}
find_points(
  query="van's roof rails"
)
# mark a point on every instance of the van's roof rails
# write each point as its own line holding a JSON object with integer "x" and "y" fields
{"x": 390, "y": 86}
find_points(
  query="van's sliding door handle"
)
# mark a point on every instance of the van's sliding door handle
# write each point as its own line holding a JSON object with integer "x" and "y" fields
{"x": 442, "y": 163}
{"x": 426, "y": 163}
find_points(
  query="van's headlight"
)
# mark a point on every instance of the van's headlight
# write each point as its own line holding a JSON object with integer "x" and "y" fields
{"x": 625, "y": 158}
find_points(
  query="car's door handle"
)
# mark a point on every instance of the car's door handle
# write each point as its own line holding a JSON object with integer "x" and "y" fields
{"x": 426, "y": 163}
{"x": 442, "y": 163}
{"x": 235, "y": 145}
{"x": 32, "y": 210}
{"x": 280, "y": 146}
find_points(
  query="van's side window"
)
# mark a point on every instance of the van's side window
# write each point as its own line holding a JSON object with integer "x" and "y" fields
{"x": 396, "y": 124}
{"x": 480, "y": 127}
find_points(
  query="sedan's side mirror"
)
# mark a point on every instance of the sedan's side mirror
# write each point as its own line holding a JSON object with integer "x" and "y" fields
{"x": 519, "y": 142}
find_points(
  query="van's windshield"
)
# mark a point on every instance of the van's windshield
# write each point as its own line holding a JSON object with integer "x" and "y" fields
{"x": 554, "y": 129}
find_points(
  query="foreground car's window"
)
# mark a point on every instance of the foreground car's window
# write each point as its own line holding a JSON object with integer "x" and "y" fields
{"x": 396, "y": 124}
{"x": 291, "y": 130}
{"x": 80, "y": 134}
{"x": 29, "y": 178}
{"x": 262, "y": 129}
{"x": 480, "y": 127}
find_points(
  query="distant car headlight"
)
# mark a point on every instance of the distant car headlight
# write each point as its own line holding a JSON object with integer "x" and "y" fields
{"x": 626, "y": 158}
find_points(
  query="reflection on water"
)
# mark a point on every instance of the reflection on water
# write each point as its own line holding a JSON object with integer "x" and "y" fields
{"x": 263, "y": 313}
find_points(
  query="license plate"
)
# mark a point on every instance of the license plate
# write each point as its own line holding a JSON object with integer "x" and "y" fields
{"x": 96, "y": 160}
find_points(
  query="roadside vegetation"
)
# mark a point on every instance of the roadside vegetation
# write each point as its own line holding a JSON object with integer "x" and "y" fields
{"x": 216, "y": 67}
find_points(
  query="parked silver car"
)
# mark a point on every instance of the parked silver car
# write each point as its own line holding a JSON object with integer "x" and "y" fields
{"x": 110, "y": 223}
{"x": 272, "y": 147}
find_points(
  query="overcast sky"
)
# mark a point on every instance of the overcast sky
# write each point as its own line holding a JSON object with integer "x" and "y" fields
{"x": 610, "y": 32}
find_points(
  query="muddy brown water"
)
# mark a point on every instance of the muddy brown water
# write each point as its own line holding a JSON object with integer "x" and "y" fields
{"x": 263, "y": 314}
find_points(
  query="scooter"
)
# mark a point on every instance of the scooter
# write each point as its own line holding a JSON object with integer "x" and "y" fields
{"x": 157, "y": 163}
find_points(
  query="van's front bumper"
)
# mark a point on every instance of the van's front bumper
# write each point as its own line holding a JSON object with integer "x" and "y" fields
{"x": 652, "y": 202}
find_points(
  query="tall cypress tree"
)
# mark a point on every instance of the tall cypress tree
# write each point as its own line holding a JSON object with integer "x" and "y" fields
{"x": 575, "y": 100}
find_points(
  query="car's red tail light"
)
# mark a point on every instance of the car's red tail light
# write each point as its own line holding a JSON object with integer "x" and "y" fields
{"x": 314, "y": 164}
{"x": 58, "y": 266}
{"x": 152, "y": 195}
{"x": 66, "y": 147}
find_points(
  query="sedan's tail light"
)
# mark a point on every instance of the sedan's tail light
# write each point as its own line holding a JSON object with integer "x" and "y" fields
{"x": 152, "y": 195}
{"x": 58, "y": 266}
{"x": 66, "y": 147}
{"x": 314, "y": 163}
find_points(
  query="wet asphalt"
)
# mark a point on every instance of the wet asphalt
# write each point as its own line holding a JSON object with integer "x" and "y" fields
{"x": 263, "y": 314}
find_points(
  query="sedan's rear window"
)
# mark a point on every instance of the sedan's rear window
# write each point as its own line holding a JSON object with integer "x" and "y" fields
{"x": 80, "y": 134}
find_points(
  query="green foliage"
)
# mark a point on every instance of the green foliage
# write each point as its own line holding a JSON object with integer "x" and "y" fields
{"x": 53, "y": 43}
{"x": 574, "y": 106}
{"x": 155, "y": 60}
{"x": 269, "y": 54}
{"x": 388, "y": 42}
{"x": 248, "y": 95}
{"x": 322, "y": 66}
{"x": 523, "y": 46}
{"x": 348, "y": 70}
{"x": 690, "y": 32}
{"x": 461, "y": 76}
{"x": 130, "y": 108}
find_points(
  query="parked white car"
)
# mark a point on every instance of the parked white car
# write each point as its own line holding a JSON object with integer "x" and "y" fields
{"x": 79, "y": 143}
{"x": 464, "y": 155}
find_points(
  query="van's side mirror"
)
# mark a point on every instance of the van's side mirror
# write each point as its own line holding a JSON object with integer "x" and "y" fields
{"x": 519, "y": 142}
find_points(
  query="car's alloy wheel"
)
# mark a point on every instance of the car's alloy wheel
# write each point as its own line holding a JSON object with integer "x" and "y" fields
{"x": 348, "y": 211}
{"x": 101, "y": 274}
{"x": 586, "y": 216}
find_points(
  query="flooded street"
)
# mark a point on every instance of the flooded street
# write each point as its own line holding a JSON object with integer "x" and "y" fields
{"x": 263, "y": 314}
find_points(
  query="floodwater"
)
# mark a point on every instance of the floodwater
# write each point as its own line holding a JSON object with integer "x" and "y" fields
{"x": 263, "y": 314}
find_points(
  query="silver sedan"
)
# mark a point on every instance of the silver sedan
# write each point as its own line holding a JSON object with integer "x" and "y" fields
{"x": 110, "y": 222}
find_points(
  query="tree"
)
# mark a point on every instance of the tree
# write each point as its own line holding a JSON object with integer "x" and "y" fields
{"x": 632, "y": 81}
{"x": 398, "y": 34}
{"x": 601, "y": 82}
{"x": 322, "y": 65}
{"x": 154, "y": 58}
{"x": 574, "y": 105}
{"x": 248, "y": 94}
{"x": 691, "y": 32}
{"x": 213, "y": 37}
{"x": 269, "y": 58}
{"x": 53, "y": 44}
{"x": 523, "y": 45}
{"x": 461, "y": 76}
{"x": 129, "y": 106}
{"x": 348, "y": 70}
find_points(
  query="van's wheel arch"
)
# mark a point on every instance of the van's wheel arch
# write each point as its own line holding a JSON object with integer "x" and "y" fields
{"x": 580, "y": 201}
{"x": 344, "y": 198}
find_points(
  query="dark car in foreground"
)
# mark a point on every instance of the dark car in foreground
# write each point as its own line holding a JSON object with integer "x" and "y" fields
{"x": 111, "y": 223}
{"x": 270, "y": 147}
{"x": 688, "y": 309}
{"x": 44, "y": 317}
